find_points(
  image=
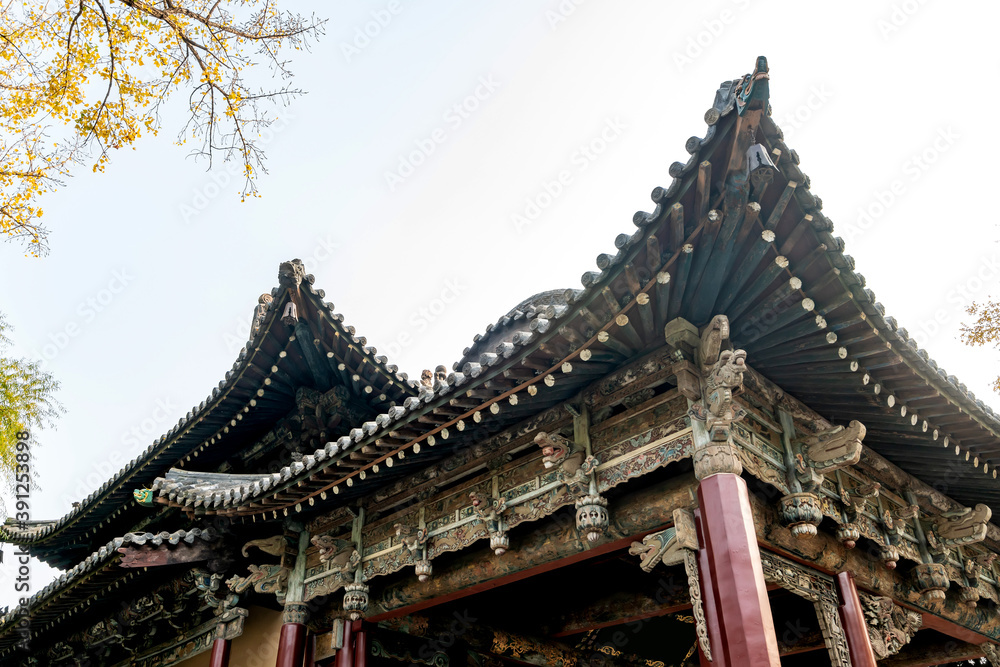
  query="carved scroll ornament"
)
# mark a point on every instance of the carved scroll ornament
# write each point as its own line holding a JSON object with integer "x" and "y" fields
{"x": 890, "y": 627}
{"x": 855, "y": 501}
{"x": 274, "y": 545}
{"x": 415, "y": 540}
{"x": 263, "y": 578}
{"x": 826, "y": 452}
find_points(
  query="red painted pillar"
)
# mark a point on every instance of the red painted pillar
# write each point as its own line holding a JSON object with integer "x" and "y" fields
{"x": 745, "y": 623}
{"x": 345, "y": 655}
{"x": 220, "y": 653}
{"x": 291, "y": 645}
{"x": 708, "y": 602}
{"x": 853, "y": 619}
{"x": 360, "y": 644}
{"x": 309, "y": 659}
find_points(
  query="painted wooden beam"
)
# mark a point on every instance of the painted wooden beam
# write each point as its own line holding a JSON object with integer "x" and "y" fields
{"x": 666, "y": 595}
{"x": 154, "y": 556}
{"x": 554, "y": 543}
{"x": 825, "y": 553}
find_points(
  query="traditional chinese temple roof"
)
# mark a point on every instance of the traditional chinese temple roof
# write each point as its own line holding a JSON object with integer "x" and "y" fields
{"x": 74, "y": 590}
{"x": 258, "y": 391}
{"x": 805, "y": 316}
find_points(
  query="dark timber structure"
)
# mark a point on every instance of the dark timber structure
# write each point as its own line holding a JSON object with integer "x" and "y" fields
{"x": 719, "y": 451}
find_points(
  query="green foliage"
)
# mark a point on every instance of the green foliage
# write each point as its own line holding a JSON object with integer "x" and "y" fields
{"x": 26, "y": 400}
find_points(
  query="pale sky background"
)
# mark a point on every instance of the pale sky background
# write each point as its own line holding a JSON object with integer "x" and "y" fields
{"x": 860, "y": 88}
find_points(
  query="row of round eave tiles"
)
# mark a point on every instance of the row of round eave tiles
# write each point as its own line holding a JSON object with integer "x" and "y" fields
{"x": 309, "y": 461}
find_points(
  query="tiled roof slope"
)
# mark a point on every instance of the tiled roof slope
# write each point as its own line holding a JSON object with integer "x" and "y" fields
{"x": 231, "y": 417}
{"x": 795, "y": 301}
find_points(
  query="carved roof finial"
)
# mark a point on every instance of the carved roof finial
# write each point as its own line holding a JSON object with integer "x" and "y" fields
{"x": 753, "y": 92}
{"x": 291, "y": 273}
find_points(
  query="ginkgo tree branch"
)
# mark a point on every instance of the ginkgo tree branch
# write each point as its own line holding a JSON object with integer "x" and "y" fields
{"x": 985, "y": 329}
{"x": 53, "y": 54}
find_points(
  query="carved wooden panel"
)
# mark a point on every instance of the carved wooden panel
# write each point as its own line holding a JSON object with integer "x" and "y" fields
{"x": 821, "y": 591}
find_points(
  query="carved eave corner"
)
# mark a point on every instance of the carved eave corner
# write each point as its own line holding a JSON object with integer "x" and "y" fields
{"x": 824, "y": 471}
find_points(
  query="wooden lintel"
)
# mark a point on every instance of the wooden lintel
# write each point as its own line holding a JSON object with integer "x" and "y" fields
{"x": 548, "y": 547}
{"x": 149, "y": 555}
{"x": 932, "y": 622}
{"x": 555, "y": 543}
{"x": 665, "y": 596}
{"x": 513, "y": 646}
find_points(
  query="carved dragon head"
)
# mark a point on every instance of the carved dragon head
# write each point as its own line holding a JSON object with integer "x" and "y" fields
{"x": 144, "y": 497}
{"x": 557, "y": 450}
{"x": 728, "y": 371}
{"x": 332, "y": 549}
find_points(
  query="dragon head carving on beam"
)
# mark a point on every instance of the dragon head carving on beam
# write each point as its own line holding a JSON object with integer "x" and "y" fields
{"x": 573, "y": 463}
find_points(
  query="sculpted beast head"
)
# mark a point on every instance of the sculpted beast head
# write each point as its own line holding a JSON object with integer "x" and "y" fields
{"x": 556, "y": 450}
{"x": 730, "y": 368}
{"x": 291, "y": 273}
{"x": 144, "y": 497}
{"x": 331, "y": 549}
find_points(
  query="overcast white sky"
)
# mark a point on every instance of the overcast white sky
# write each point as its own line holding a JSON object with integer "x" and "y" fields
{"x": 875, "y": 96}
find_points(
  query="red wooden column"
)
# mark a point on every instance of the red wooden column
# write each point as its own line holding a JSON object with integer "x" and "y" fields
{"x": 292, "y": 640}
{"x": 309, "y": 658}
{"x": 853, "y": 619}
{"x": 737, "y": 579}
{"x": 291, "y": 645}
{"x": 220, "y": 653}
{"x": 345, "y": 654}
{"x": 360, "y": 644}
